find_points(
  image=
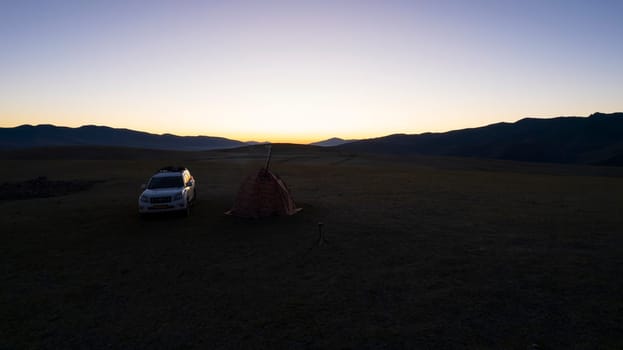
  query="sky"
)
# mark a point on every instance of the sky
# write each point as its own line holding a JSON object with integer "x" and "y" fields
{"x": 301, "y": 71}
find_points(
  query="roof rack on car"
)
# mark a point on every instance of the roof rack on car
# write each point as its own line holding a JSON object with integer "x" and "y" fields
{"x": 174, "y": 169}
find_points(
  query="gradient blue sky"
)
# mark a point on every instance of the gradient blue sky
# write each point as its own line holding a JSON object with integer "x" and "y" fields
{"x": 306, "y": 70}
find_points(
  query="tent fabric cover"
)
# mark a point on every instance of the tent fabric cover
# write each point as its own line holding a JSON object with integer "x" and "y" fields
{"x": 263, "y": 194}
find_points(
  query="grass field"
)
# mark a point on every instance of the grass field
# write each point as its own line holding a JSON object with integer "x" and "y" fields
{"x": 421, "y": 253}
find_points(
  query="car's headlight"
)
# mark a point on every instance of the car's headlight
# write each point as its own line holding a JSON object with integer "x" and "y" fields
{"x": 178, "y": 196}
{"x": 144, "y": 199}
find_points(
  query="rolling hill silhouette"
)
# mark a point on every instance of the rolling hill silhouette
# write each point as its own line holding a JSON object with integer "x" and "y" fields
{"x": 597, "y": 139}
{"x": 28, "y": 136}
{"x": 334, "y": 141}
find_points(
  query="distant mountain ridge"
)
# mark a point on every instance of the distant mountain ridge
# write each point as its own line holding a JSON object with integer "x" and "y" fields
{"x": 45, "y": 135}
{"x": 332, "y": 142}
{"x": 597, "y": 139}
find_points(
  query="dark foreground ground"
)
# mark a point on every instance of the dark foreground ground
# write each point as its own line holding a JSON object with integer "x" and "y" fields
{"x": 421, "y": 253}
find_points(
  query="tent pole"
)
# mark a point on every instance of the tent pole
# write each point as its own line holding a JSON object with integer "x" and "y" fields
{"x": 270, "y": 151}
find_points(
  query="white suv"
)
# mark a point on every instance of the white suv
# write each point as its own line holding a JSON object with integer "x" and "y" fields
{"x": 170, "y": 189}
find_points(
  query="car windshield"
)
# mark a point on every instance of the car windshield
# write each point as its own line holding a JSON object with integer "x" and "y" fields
{"x": 165, "y": 182}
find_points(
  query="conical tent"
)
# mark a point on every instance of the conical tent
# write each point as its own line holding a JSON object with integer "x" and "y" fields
{"x": 263, "y": 194}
